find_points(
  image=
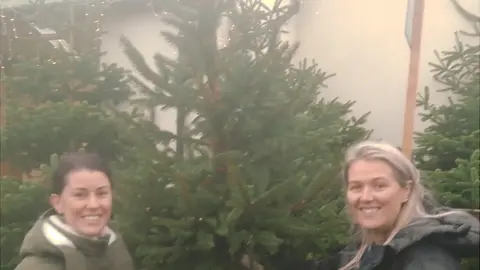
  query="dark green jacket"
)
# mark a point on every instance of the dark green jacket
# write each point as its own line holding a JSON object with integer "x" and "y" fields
{"x": 51, "y": 245}
{"x": 427, "y": 244}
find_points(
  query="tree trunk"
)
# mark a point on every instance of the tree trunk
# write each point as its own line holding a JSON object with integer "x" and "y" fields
{"x": 181, "y": 117}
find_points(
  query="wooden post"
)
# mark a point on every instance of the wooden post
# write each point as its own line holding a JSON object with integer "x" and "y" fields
{"x": 411, "y": 96}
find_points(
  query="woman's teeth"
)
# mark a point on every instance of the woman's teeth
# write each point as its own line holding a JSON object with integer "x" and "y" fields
{"x": 370, "y": 210}
{"x": 91, "y": 217}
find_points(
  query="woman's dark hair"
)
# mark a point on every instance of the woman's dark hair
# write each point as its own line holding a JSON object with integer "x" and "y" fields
{"x": 74, "y": 162}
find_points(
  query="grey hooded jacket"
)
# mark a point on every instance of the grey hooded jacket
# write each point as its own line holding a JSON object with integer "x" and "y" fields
{"x": 426, "y": 244}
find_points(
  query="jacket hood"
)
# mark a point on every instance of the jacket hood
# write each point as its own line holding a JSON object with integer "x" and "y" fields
{"x": 50, "y": 236}
{"x": 456, "y": 231}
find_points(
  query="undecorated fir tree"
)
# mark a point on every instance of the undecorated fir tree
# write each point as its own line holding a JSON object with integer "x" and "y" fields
{"x": 59, "y": 98}
{"x": 60, "y": 105}
{"x": 448, "y": 149}
{"x": 20, "y": 205}
{"x": 252, "y": 177}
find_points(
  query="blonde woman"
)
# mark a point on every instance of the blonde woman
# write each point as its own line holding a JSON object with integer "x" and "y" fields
{"x": 386, "y": 203}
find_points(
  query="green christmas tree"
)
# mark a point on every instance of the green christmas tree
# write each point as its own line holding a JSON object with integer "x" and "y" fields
{"x": 253, "y": 179}
{"x": 448, "y": 149}
{"x": 58, "y": 106}
{"x": 58, "y": 99}
{"x": 21, "y": 203}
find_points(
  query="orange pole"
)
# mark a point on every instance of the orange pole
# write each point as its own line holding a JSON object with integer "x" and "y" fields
{"x": 411, "y": 96}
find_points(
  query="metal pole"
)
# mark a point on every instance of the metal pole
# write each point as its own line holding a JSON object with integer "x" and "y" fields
{"x": 410, "y": 104}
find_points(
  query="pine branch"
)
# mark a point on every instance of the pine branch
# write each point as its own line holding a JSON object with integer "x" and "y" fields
{"x": 138, "y": 61}
{"x": 466, "y": 14}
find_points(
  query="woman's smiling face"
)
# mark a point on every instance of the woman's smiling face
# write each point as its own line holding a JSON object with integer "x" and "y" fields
{"x": 374, "y": 196}
{"x": 85, "y": 202}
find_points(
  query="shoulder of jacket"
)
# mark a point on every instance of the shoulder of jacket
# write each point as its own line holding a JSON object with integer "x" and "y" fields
{"x": 425, "y": 247}
{"x": 423, "y": 255}
{"x": 40, "y": 263}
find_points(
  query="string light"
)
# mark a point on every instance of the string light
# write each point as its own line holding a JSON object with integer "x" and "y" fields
{"x": 10, "y": 33}
{"x": 222, "y": 42}
{"x": 3, "y": 34}
{"x": 6, "y": 33}
{"x": 93, "y": 7}
{"x": 13, "y": 21}
{"x": 152, "y": 7}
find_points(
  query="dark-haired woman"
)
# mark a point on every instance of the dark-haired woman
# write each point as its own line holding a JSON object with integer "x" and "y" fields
{"x": 75, "y": 235}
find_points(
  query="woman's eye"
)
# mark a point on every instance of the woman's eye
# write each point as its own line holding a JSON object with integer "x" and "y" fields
{"x": 102, "y": 193}
{"x": 355, "y": 188}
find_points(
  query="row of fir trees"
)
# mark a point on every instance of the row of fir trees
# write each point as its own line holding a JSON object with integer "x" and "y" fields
{"x": 250, "y": 176}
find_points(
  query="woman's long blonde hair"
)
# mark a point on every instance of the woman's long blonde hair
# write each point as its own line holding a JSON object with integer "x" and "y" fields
{"x": 404, "y": 171}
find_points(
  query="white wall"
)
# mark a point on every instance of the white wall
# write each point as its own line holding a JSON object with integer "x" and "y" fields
{"x": 144, "y": 31}
{"x": 362, "y": 42}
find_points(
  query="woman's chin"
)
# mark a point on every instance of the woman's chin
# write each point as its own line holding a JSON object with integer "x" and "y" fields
{"x": 92, "y": 231}
{"x": 371, "y": 225}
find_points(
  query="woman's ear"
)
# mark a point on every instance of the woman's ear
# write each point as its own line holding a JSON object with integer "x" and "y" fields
{"x": 408, "y": 188}
{"x": 55, "y": 202}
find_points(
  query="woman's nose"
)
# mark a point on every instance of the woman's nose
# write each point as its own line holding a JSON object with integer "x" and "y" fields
{"x": 93, "y": 201}
{"x": 366, "y": 195}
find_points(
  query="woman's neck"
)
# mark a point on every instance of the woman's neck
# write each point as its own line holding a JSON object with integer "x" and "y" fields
{"x": 378, "y": 237}
{"x": 59, "y": 221}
